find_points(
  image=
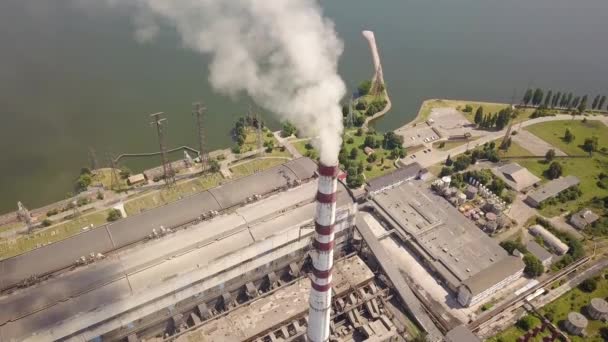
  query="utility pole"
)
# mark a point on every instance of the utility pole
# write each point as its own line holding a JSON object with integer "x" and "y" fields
{"x": 258, "y": 127}
{"x": 113, "y": 176}
{"x": 167, "y": 169}
{"x": 199, "y": 112}
{"x": 25, "y": 216}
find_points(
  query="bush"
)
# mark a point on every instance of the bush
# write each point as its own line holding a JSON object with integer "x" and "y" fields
{"x": 124, "y": 172}
{"x": 511, "y": 246}
{"x": 588, "y": 285}
{"x": 236, "y": 149}
{"x": 113, "y": 215}
{"x": 214, "y": 165}
{"x": 369, "y": 167}
{"x": 100, "y": 195}
{"x": 554, "y": 171}
{"x": 288, "y": 129}
{"x": 52, "y": 212}
{"x": 350, "y": 140}
{"x": 527, "y": 322}
{"x": 372, "y": 158}
{"x": 83, "y": 182}
{"x": 46, "y": 222}
{"x": 364, "y": 87}
{"x": 468, "y": 109}
{"x": 359, "y": 132}
{"x": 534, "y": 267}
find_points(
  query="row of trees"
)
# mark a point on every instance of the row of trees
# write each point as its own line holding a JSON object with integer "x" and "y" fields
{"x": 497, "y": 120}
{"x": 534, "y": 267}
{"x": 563, "y": 100}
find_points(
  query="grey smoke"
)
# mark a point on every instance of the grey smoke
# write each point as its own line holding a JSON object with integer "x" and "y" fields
{"x": 283, "y": 54}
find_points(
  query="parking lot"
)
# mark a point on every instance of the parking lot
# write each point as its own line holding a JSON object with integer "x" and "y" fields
{"x": 417, "y": 135}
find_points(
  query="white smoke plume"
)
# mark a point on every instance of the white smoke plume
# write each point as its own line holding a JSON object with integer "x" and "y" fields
{"x": 283, "y": 54}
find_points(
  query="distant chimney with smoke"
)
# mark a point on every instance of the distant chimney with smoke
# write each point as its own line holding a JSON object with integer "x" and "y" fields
{"x": 323, "y": 255}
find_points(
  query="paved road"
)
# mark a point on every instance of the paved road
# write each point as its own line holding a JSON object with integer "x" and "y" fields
{"x": 284, "y": 142}
{"x": 534, "y": 144}
{"x": 436, "y": 156}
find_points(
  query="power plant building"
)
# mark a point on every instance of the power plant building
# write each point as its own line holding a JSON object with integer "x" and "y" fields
{"x": 470, "y": 263}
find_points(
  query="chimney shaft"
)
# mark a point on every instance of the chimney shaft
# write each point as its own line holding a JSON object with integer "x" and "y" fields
{"x": 323, "y": 255}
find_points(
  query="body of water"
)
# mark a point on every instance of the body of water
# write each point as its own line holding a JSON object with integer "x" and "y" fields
{"x": 73, "y": 78}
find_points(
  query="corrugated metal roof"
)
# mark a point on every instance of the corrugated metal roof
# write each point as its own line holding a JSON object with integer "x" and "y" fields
{"x": 493, "y": 274}
{"x": 553, "y": 188}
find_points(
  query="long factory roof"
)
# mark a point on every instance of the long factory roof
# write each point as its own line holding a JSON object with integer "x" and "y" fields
{"x": 132, "y": 229}
{"x": 145, "y": 268}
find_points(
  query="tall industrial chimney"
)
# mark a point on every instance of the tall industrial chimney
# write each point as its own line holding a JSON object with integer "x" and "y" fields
{"x": 323, "y": 255}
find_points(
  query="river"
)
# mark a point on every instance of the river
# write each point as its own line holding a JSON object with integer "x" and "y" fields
{"x": 73, "y": 78}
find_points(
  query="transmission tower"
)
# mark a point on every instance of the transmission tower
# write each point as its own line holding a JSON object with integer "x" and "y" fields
{"x": 350, "y": 120}
{"x": 167, "y": 168}
{"x": 258, "y": 127}
{"x": 25, "y": 216}
{"x": 93, "y": 158}
{"x": 199, "y": 112}
{"x": 113, "y": 176}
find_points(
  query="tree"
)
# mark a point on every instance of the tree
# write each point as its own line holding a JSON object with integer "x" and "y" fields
{"x": 537, "y": 98}
{"x": 527, "y": 97}
{"x": 556, "y": 98}
{"x": 354, "y": 152}
{"x": 462, "y": 162}
{"x": 583, "y": 105}
{"x": 568, "y": 101}
{"x": 600, "y": 105}
{"x": 446, "y": 171}
{"x": 554, "y": 171}
{"x": 47, "y": 222}
{"x": 479, "y": 115}
{"x": 590, "y": 144}
{"x": 568, "y": 136}
{"x": 449, "y": 161}
{"x": 83, "y": 182}
{"x": 288, "y": 129}
{"x": 534, "y": 267}
{"x": 392, "y": 140}
{"x": 214, "y": 166}
{"x": 527, "y": 322}
{"x": 369, "y": 141}
{"x": 550, "y": 155}
{"x": 372, "y": 158}
{"x": 360, "y": 167}
{"x": 503, "y": 119}
{"x": 548, "y": 98}
{"x": 364, "y": 87}
{"x": 595, "y": 102}
{"x": 113, "y": 215}
{"x": 575, "y": 102}
{"x": 511, "y": 246}
{"x": 588, "y": 285}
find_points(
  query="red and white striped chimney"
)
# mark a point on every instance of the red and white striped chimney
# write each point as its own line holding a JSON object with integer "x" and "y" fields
{"x": 323, "y": 255}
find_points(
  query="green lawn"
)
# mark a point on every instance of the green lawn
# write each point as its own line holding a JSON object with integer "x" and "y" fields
{"x": 488, "y": 107}
{"x": 251, "y": 143}
{"x": 576, "y": 300}
{"x": 168, "y": 195}
{"x": 515, "y": 150}
{"x": 448, "y": 145}
{"x": 104, "y": 177}
{"x": 24, "y": 243}
{"x": 553, "y": 132}
{"x": 586, "y": 169}
{"x": 379, "y": 167}
{"x": 301, "y": 147}
{"x": 254, "y": 166}
{"x": 10, "y": 226}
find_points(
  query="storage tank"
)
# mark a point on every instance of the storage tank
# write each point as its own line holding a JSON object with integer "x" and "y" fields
{"x": 598, "y": 309}
{"x": 576, "y": 323}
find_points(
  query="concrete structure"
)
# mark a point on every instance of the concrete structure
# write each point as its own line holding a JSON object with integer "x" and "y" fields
{"x": 583, "y": 218}
{"x": 136, "y": 179}
{"x": 550, "y": 240}
{"x": 323, "y": 255}
{"x": 461, "y": 334}
{"x": 542, "y": 254}
{"x": 598, "y": 309}
{"x": 393, "y": 179}
{"x": 576, "y": 323}
{"x": 138, "y": 227}
{"x": 489, "y": 281}
{"x": 210, "y": 258}
{"x": 447, "y": 242}
{"x": 550, "y": 190}
{"x": 516, "y": 177}
{"x": 368, "y": 150}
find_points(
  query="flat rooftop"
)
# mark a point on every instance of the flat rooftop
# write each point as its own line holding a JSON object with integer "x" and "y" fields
{"x": 140, "y": 275}
{"x": 282, "y": 306}
{"x": 553, "y": 188}
{"x": 447, "y": 238}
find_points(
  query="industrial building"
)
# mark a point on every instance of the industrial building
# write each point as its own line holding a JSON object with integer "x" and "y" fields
{"x": 550, "y": 240}
{"x": 395, "y": 178}
{"x": 516, "y": 177}
{"x": 467, "y": 261}
{"x": 540, "y": 252}
{"x": 583, "y": 218}
{"x": 598, "y": 309}
{"x": 550, "y": 190}
{"x": 238, "y": 262}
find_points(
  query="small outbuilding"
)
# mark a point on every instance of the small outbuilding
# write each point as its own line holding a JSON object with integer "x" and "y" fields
{"x": 368, "y": 150}
{"x": 557, "y": 245}
{"x": 583, "y": 218}
{"x": 576, "y": 323}
{"x": 598, "y": 309}
{"x": 137, "y": 179}
{"x": 516, "y": 177}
